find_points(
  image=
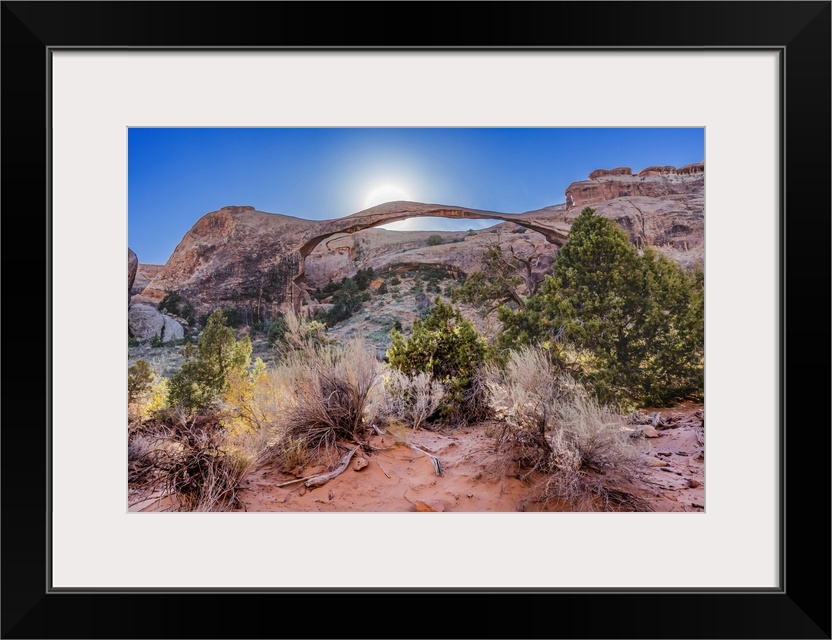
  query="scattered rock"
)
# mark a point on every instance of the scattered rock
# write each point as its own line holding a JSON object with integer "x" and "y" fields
{"x": 655, "y": 462}
{"x": 649, "y": 432}
{"x": 429, "y": 505}
{"x": 697, "y": 506}
{"x": 359, "y": 463}
{"x": 145, "y": 322}
{"x": 664, "y": 453}
{"x": 693, "y": 484}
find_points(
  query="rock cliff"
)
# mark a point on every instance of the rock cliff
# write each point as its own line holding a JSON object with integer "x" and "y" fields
{"x": 264, "y": 262}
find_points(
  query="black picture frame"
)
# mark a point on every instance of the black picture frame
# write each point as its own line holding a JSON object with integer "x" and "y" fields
{"x": 799, "y": 31}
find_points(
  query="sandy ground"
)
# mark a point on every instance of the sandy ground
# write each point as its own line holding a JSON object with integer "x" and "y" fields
{"x": 395, "y": 478}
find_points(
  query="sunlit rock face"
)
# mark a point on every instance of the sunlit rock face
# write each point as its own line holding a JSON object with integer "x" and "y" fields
{"x": 263, "y": 263}
{"x": 650, "y": 182}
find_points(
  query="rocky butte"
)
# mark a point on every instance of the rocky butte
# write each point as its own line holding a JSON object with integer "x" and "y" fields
{"x": 265, "y": 262}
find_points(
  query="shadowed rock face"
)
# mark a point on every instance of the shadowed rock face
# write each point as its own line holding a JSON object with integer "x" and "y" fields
{"x": 241, "y": 257}
{"x": 132, "y": 267}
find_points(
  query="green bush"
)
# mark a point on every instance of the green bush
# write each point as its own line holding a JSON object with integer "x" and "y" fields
{"x": 277, "y": 331}
{"x": 449, "y": 348}
{"x": 363, "y": 278}
{"x": 345, "y": 302}
{"x": 203, "y": 378}
{"x": 630, "y": 326}
{"x": 435, "y": 239}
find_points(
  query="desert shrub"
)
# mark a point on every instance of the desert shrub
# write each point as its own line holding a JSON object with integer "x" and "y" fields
{"x": 188, "y": 465}
{"x": 203, "y": 378}
{"x": 363, "y": 278}
{"x": 395, "y": 281}
{"x": 551, "y": 424}
{"x": 139, "y": 380}
{"x": 345, "y": 302}
{"x": 382, "y": 289}
{"x": 293, "y": 332}
{"x": 411, "y": 399}
{"x": 525, "y": 393}
{"x": 277, "y": 331}
{"x": 328, "y": 397}
{"x": 448, "y": 347}
{"x": 434, "y": 240}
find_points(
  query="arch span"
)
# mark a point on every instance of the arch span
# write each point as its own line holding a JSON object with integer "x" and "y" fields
{"x": 401, "y": 210}
{"x": 240, "y": 257}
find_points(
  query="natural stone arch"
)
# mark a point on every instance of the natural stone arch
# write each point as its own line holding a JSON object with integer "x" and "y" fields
{"x": 402, "y": 210}
{"x": 240, "y": 256}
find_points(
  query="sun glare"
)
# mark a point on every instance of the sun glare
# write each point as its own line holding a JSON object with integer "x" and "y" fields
{"x": 386, "y": 193}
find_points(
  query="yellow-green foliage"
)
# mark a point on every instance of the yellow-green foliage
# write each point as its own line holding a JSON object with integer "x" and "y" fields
{"x": 242, "y": 413}
{"x": 149, "y": 404}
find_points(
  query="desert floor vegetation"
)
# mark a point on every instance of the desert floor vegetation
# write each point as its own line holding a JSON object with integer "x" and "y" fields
{"x": 549, "y": 397}
{"x": 321, "y": 406}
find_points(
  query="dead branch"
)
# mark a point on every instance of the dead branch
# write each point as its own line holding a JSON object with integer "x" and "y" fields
{"x": 318, "y": 481}
{"x": 437, "y": 467}
{"x": 382, "y": 469}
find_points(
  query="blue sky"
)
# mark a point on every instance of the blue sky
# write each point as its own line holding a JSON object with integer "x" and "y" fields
{"x": 178, "y": 175}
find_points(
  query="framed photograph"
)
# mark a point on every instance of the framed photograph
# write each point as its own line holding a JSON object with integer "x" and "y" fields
{"x": 80, "y": 78}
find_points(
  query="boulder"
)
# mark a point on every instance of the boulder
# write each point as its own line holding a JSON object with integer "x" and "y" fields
{"x": 145, "y": 322}
{"x": 172, "y": 330}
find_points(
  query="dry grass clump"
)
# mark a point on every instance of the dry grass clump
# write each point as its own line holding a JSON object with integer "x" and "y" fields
{"x": 408, "y": 399}
{"x": 191, "y": 464}
{"x": 552, "y": 425}
{"x": 325, "y": 395}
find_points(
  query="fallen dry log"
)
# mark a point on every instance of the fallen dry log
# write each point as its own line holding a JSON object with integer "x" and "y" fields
{"x": 318, "y": 481}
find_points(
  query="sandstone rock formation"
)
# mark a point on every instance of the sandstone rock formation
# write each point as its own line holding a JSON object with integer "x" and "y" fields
{"x": 144, "y": 275}
{"x": 261, "y": 263}
{"x": 651, "y": 182}
{"x": 145, "y": 322}
{"x": 253, "y": 260}
{"x": 132, "y": 267}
